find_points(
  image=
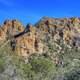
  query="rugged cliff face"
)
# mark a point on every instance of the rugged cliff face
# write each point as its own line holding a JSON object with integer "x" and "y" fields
{"x": 10, "y": 28}
{"x": 33, "y": 39}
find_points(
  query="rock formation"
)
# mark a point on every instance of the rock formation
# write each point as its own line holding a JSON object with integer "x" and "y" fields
{"x": 29, "y": 39}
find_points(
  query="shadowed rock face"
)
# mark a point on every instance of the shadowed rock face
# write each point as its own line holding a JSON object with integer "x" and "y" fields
{"x": 29, "y": 39}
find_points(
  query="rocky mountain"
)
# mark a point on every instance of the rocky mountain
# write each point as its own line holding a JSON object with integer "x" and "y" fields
{"x": 48, "y": 50}
{"x": 29, "y": 40}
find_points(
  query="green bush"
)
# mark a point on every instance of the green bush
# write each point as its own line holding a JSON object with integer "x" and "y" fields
{"x": 74, "y": 74}
{"x": 43, "y": 66}
{"x": 2, "y": 65}
{"x": 27, "y": 72}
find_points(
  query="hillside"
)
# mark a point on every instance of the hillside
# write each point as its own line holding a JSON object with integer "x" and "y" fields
{"x": 48, "y": 50}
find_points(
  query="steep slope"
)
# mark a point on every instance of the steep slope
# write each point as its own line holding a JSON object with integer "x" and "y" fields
{"x": 29, "y": 40}
{"x": 48, "y": 50}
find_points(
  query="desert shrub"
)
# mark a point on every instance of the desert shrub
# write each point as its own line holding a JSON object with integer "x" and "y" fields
{"x": 74, "y": 74}
{"x": 27, "y": 72}
{"x": 2, "y": 65}
{"x": 43, "y": 66}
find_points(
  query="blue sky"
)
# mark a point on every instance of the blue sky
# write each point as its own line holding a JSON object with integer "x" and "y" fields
{"x": 30, "y": 11}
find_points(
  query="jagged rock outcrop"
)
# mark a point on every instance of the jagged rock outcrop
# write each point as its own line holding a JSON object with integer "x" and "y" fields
{"x": 66, "y": 28}
{"x": 29, "y": 39}
{"x": 10, "y": 27}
